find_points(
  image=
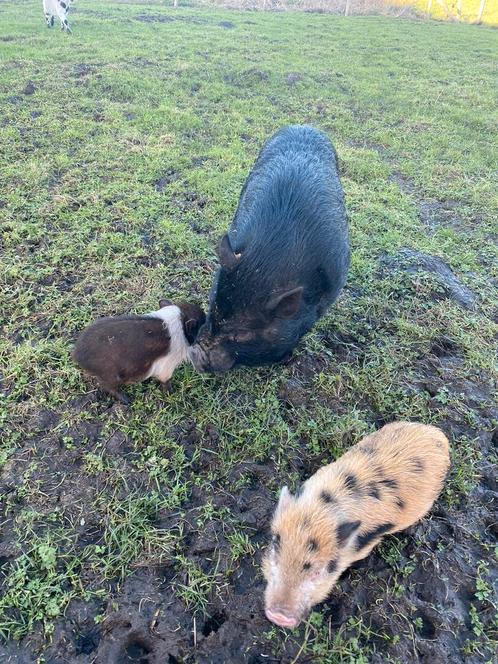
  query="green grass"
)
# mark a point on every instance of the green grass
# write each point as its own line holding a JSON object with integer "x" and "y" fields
{"x": 123, "y": 103}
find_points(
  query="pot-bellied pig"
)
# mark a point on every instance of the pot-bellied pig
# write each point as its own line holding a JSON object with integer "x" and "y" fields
{"x": 284, "y": 259}
{"x": 128, "y": 349}
{"x": 382, "y": 485}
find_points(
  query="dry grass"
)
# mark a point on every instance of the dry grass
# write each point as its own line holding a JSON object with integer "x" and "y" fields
{"x": 356, "y": 7}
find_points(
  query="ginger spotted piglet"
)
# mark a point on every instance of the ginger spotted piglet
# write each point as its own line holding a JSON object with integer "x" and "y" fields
{"x": 383, "y": 484}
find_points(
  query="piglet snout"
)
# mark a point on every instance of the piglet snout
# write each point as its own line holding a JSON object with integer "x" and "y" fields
{"x": 281, "y": 617}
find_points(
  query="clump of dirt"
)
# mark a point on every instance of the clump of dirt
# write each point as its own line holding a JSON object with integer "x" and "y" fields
{"x": 29, "y": 89}
{"x": 170, "y": 176}
{"x": 82, "y": 69}
{"x": 247, "y": 78}
{"x": 412, "y": 261}
{"x": 292, "y": 78}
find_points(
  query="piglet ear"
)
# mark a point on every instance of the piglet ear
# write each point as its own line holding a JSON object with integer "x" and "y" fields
{"x": 191, "y": 327}
{"x": 285, "y": 499}
{"x": 226, "y": 255}
{"x": 163, "y": 302}
{"x": 285, "y": 305}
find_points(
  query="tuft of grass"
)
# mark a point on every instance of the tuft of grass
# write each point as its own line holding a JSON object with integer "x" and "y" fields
{"x": 41, "y": 582}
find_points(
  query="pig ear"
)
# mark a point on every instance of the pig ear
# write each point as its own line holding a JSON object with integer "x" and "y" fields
{"x": 285, "y": 499}
{"x": 226, "y": 255}
{"x": 191, "y": 326}
{"x": 163, "y": 302}
{"x": 285, "y": 305}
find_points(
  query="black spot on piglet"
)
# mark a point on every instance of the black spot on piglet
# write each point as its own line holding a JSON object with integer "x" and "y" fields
{"x": 313, "y": 545}
{"x": 327, "y": 497}
{"x": 350, "y": 482}
{"x": 345, "y": 530}
{"x": 373, "y": 491}
{"x": 392, "y": 484}
{"x": 400, "y": 503}
{"x": 417, "y": 465}
{"x": 367, "y": 538}
{"x": 332, "y": 566}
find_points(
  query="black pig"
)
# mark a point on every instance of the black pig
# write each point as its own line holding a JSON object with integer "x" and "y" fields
{"x": 284, "y": 259}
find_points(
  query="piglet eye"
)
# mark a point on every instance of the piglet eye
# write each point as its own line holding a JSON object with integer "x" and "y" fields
{"x": 306, "y": 567}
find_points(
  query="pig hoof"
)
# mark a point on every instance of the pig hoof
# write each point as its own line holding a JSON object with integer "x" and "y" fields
{"x": 287, "y": 359}
{"x": 167, "y": 387}
{"x": 124, "y": 399}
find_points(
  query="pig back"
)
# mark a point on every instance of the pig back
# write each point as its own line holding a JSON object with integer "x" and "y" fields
{"x": 290, "y": 225}
{"x": 392, "y": 476}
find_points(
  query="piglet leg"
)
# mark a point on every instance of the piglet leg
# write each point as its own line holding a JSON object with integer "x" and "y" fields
{"x": 167, "y": 387}
{"x": 117, "y": 394}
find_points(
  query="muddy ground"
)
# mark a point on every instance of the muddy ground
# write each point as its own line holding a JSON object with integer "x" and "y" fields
{"x": 152, "y": 626}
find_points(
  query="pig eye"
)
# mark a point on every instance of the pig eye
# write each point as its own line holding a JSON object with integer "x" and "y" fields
{"x": 306, "y": 567}
{"x": 270, "y": 334}
{"x": 241, "y": 337}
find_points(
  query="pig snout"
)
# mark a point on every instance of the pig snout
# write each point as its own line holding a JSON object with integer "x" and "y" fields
{"x": 282, "y": 617}
{"x": 214, "y": 360}
{"x": 284, "y": 606}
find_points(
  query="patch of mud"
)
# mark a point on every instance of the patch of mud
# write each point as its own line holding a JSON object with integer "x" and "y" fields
{"x": 412, "y": 261}
{"x": 186, "y": 201}
{"x": 146, "y": 622}
{"x": 170, "y": 176}
{"x": 433, "y": 214}
{"x": 82, "y": 69}
{"x": 436, "y": 213}
{"x": 292, "y": 78}
{"x": 29, "y": 89}
{"x": 247, "y": 78}
{"x": 368, "y": 145}
{"x": 199, "y": 161}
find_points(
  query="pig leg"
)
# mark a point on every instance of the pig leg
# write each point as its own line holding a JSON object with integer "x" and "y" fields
{"x": 167, "y": 387}
{"x": 117, "y": 394}
{"x": 287, "y": 358}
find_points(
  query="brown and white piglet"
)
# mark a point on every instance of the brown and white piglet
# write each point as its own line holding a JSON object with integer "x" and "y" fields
{"x": 383, "y": 484}
{"x": 128, "y": 349}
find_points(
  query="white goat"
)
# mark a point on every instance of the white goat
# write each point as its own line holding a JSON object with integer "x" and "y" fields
{"x": 59, "y": 8}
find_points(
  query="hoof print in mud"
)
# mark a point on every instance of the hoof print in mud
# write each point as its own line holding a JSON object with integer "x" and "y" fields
{"x": 137, "y": 652}
{"x": 134, "y": 648}
{"x": 213, "y": 624}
